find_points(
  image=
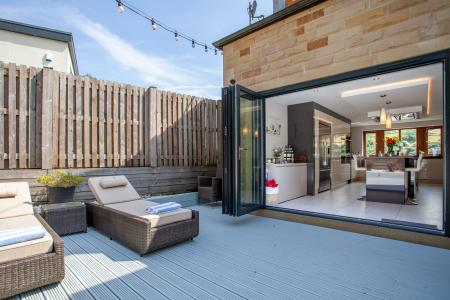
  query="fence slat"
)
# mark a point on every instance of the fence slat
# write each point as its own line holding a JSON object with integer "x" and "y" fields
{"x": 192, "y": 135}
{"x": 116, "y": 125}
{"x": 109, "y": 151}
{"x": 94, "y": 124}
{"x": 55, "y": 119}
{"x": 47, "y": 106}
{"x": 87, "y": 122}
{"x": 185, "y": 138}
{"x": 180, "y": 129}
{"x": 165, "y": 134}
{"x": 101, "y": 124}
{"x": 11, "y": 115}
{"x": 70, "y": 130}
{"x": 169, "y": 129}
{"x": 38, "y": 122}
{"x": 32, "y": 118}
{"x": 158, "y": 126}
{"x": 175, "y": 129}
{"x": 22, "y": 117}
{"x": 62, "y": 120}
{"x": 128, "y": 127}
{"x": 78, "y": 123}
{"x": 141, "y": 128}
{"x": 122, "y": 154}
{"x": 134, "y": 121}
{"x": 2, "y": 116}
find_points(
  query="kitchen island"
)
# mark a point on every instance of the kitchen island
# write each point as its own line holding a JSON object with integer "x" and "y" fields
{"x": 386, "y": 179}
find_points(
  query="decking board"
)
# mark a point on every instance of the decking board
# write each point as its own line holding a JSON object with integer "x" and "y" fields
{"x": 254, "y": 258}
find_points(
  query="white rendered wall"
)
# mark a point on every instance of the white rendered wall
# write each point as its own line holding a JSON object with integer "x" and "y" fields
{"x": 29, "y": 50}
{"x": 276, "y": 113}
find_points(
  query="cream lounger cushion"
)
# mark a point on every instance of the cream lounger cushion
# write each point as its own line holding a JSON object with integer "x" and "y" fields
{"x": 119, "y": 189}
{"x": 113, "y": 181}
{"x": 20, "y": 204}
{"x": 24, "y": 249}
{"x": 137, "y": 208}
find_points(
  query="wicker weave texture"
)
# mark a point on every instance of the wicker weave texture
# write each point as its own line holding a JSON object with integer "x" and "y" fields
{"x": 66, "y": 220}
{"x": 26, "y": 274}
{"x": 136, "y": 233}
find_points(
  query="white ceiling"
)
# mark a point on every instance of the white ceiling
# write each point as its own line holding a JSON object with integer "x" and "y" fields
{"x": 356, "y": 108}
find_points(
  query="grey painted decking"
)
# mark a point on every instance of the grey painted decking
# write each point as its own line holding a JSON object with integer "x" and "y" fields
{"x": 253, "y": 258}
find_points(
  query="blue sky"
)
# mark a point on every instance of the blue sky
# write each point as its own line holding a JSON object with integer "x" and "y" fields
{"x": 122, "y": 47}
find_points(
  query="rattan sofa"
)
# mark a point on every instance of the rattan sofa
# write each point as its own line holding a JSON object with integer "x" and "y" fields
{"x": 135, "y": 231}
{"x": 21, "y": 274}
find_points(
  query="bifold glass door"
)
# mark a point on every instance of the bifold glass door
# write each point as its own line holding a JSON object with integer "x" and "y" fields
{"x": 243, "y": 115}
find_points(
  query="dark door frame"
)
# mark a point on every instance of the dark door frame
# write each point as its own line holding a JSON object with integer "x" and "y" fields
{"x": 431, "y": 58}
{"x": 231, "y": 188}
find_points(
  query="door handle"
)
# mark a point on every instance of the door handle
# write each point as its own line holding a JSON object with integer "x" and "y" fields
{"x": 240, "y": 150}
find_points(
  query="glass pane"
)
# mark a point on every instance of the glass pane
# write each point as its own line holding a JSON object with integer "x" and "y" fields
{"x": 371, "y": 144}
{"x": 391, "y": 134}
{"x": 434, "y": 141}
{"x": 251, "y": 155}
{"x": 408, "y": 141}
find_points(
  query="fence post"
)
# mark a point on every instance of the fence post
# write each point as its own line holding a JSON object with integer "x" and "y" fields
{"x": 47, "y": 118}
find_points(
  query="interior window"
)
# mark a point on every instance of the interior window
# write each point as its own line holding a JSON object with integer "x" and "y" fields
{"x": 408, "y": 141}
{"x": 434, "y": 141}
{"x": 371, "y": 144}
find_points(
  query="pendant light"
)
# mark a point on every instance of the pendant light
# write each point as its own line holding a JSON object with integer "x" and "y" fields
{"x": 388, "y": 121}
{"x": 383, "y": 116}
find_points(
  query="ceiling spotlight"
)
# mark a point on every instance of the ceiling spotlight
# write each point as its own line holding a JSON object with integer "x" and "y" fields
{"x": 154, "y": 24}
{"x": 120, "y": 7}
{"x": 177, "y": 37}
{"x": 193, "y": 44}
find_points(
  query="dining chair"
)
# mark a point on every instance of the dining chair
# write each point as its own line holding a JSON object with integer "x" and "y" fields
{"x": 413, "y": 171}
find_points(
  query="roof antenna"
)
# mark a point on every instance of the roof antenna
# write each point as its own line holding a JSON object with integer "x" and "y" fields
{"x": 251, "y": 9}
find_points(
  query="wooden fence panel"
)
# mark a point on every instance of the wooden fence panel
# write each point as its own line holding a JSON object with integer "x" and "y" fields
{"x": 51, "y": 120}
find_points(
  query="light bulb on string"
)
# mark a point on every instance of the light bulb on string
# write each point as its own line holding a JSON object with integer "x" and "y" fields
{"x": 193, "y": 44}
{"x": 177, "y": 38}
{"x": 215, "y": 51}
{"x": 154, "y": 24}
{"x": 120, "y": 7}
{"x": 206, "y": 48}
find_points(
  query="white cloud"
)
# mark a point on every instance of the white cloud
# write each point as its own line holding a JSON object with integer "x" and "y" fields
{"x": 180, "y": 75}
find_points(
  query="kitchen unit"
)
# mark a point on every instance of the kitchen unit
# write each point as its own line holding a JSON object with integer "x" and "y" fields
{"x": 291, "y": 179}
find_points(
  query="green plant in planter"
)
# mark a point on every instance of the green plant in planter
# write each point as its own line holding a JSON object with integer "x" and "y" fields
{"x": 60, "y": 179}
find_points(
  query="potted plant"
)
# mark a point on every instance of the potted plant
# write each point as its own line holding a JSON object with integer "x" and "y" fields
{"x": 391, "y": 142}
{"x": 277, "y": 152}
{"x": 60, "y": 186}
{"x": 271, "y": 191}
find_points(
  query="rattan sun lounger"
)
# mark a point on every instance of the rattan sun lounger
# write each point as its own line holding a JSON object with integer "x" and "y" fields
{"x": 28, "y": 265}
{"x": 119, "y": 213}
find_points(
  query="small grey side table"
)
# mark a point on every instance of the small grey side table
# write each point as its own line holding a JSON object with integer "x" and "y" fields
{"x": 65, "y": 218}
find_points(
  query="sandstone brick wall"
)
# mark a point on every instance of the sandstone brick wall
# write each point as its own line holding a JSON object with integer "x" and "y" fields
{"x": 337, "y": 36}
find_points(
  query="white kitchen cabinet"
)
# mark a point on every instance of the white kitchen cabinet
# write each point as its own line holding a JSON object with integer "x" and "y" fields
{"x": 291, "y": 179}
